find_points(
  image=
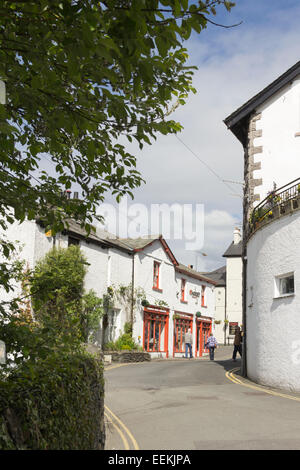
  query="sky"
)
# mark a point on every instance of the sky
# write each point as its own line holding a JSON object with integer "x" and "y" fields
{"x": 233, "y": 65}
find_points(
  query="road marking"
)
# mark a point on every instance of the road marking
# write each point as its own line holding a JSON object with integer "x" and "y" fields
{"x": 230, "y": 375}
{"x": 115, "y": 367}
{"x": 135, "y": 444}
{"x": 125, "y": 442}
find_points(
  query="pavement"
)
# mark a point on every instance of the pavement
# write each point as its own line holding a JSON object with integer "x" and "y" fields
{"x": 196, "y": 404}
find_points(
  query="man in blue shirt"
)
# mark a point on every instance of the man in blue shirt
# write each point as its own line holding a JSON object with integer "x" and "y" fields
{"x": 211, "y": 345}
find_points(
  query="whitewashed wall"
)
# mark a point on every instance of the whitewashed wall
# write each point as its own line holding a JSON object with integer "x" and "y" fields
{"x": 119, "y": 273}
{"x": 280, "y": 121}
{"x": 23, "y": 237}
{"x": 234, "y": 303}
{"x": 273, "y": 324}
{"x": 170, "y": 284}
{"x": 220, "y": 303}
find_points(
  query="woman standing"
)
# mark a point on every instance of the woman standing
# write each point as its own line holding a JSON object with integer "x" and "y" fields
{"x": 211, "y": 345}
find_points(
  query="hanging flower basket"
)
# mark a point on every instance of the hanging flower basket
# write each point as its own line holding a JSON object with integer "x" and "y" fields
{"x": 145, "y": 303}
{"x": 217, "y": 322}
{"x": 198, "y": 314}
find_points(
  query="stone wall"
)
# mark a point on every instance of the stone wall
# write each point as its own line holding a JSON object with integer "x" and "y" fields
{"x": 129, "y": 356}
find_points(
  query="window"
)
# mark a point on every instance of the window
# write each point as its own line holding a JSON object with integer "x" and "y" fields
{"x": 284, "y": 285}
{"x": 73, "y": 241}
{"x": 182, "y": 323}
{"x": 155, "y": 331}
{"x": 203, "y": 297}
{"x": 156, "y": 275}
{"x": 183, "y": 283}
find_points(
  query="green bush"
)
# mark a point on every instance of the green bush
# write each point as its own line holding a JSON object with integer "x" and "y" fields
{"x": 123, "y": 342}
{"x": 55, "y": 403}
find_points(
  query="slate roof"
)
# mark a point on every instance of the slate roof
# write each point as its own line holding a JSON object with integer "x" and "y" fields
{"x": 99, "y": 237}
{"x": 138, "y": 243}
{"x": 234, "y": 250}
{"x": 192, "y": 272}
{"x": 131, "y": 245}
{"x": 236, "y": 121}
{"x": 218, "y": 275}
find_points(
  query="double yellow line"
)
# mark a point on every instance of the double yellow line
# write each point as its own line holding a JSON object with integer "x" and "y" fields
{"x": 231, "y": 376}
{"x": 123, "y": 431}
{"x": 126, "y": 436}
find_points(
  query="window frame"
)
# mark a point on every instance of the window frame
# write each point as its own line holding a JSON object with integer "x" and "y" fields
{"x": 156, "y": 285}
{"x": 278, "y": 291}
{"x": 183, "y": 291}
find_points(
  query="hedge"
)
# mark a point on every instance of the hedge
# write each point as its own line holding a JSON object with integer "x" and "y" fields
{"x": 55, "y": 403}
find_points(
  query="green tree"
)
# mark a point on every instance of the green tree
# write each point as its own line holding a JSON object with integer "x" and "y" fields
{"x": 79, "y": 74}
{"x": 58, "y": 297}
{"x": 57, "y": 284}
{"x": 91, "y": 312}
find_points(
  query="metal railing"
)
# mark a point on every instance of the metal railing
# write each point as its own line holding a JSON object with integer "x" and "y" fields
{"x": 274, "y": 204}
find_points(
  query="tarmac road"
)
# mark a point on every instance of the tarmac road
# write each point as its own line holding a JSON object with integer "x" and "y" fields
{"x": 195, "y": 404}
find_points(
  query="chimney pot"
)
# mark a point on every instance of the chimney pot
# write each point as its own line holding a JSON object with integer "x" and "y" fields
{"x": 237, "y": 236}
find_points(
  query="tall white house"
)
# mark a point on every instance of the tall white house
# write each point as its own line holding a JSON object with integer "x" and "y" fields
{"x": 234, "y": 268}
{"x": 268, "y": 127}
{"x": 220, "y": 328}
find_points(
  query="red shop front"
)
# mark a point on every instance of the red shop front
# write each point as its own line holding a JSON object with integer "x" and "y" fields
{"x": 182, "y": 322}
{"x": 156, "y": 328}
{"x": 203, "y": 330}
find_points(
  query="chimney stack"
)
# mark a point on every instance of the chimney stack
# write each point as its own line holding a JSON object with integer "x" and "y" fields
{"x": 237, "y": 236}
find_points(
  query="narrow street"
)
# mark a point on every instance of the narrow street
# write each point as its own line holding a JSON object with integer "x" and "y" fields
{"x": 196, "y": 404}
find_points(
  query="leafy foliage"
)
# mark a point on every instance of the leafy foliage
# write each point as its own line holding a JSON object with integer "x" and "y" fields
{"x": 124, "y": 342}
{"x": 53, "y": 403}
{"x": 58, "y": 298}
{"x": 79, "y": 74}
{"x": 57, "y": 284}
{"x": 92, "y": 311}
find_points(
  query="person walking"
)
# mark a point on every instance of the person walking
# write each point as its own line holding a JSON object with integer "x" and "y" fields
{"x": 237, "y": 343}
{"x": 211, "y": 345}
{"x": 188, "y": 339}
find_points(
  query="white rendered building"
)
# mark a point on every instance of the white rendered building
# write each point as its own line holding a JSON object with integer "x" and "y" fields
{"x": 234, "y": 268}
{"x": 169, "y": 297}
{"x": 268, "y": 126}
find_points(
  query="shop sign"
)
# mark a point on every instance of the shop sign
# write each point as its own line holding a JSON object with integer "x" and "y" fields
{"x": 195, "y": 294}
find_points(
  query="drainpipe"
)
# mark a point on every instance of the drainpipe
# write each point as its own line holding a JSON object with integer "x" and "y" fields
{"x": 225, "y": 324}
{"x": 246, "y": 203}
{"x": 244, "y": 316}
{"x": 132, "y": 293}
